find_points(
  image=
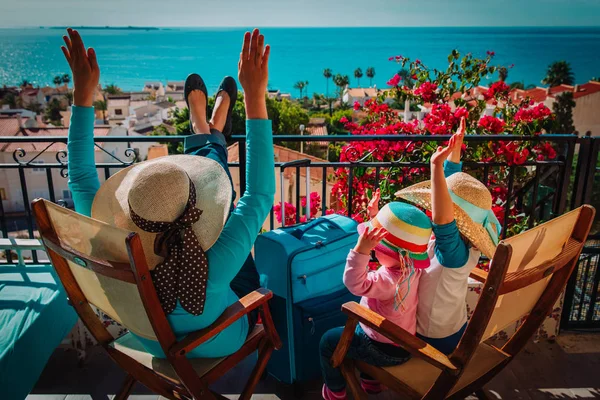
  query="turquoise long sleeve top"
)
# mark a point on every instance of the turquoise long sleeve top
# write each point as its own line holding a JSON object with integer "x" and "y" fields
{"x": 227, "y": 255}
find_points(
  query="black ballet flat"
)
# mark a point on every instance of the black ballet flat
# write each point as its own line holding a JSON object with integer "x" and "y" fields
{"x": 194, "y": 82}
{"x": 229, "y": 86}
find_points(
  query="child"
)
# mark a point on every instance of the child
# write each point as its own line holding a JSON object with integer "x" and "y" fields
{"x": 458, "y": 202}
{"x": 398, "y": 234}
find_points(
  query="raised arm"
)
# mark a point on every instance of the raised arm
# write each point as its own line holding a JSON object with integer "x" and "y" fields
{"x": 450, "y": 250}
{"x": 240, "y": 231}
{"x": 83, "y": 178}
{"x": 442, "y": 208}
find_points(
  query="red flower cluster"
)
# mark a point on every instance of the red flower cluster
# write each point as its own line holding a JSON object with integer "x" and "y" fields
{"x": 492, "y": 124}
{"x": 528, "y": 115}
{"x": 497, "y": 89}
{"x": 461, "y": 112}
{"x": 490, "y": 53}
{"x": 290, "y": 209}
{"x": 357, "y": 106}
{"x": 427, "y": 91}
{"x": 544, "y": 151}
{"x": 440, "y": 120}
{"x": 394, "y": 80}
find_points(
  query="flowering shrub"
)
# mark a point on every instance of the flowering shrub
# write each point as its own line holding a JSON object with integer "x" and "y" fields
{"x": 448, "y": 95}
{"x": 290, "y": 209}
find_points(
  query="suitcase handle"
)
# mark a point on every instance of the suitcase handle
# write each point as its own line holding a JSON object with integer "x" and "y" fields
{"x": 299, "y": 232}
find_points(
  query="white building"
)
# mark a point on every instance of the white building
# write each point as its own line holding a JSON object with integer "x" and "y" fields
{"x": 155, "y": 89}
{"x": 36, "y": 178}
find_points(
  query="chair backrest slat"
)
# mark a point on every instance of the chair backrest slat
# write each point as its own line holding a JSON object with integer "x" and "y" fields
{"x": 86, "y": 245}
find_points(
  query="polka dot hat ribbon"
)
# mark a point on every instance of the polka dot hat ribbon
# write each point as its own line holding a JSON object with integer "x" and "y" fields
{"x": 184, "y": 272}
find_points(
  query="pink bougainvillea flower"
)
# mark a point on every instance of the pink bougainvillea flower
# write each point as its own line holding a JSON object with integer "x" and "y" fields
{"x": 461, "y": 112}
{"x": 492, "y": 124}
{"x": 356, "y": 106}
{"x": 427, "y": 91}
{"x": 497, "y": 89}
{"x": 394, "y": 80}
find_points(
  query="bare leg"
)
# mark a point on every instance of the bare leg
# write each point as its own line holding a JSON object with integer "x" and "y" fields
{"x": 197, "y": 101}
{"x": 219, "y": 115}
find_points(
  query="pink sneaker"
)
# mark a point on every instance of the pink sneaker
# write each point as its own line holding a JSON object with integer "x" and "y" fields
{"x": 329, "y": 395}
{"x": 371, "y": 386}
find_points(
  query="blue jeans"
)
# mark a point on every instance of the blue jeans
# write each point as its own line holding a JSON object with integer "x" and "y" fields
{"x": 445, "y": 345}
{"x": 362, "y": 348}
{"x": 214, "y": 146}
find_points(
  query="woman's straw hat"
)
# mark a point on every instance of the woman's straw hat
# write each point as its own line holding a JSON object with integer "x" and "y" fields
{"x": 158, "y": 190}
{"x": 472, "y": 209}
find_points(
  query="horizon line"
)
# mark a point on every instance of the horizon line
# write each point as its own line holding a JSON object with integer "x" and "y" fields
{"x": 289, "y": 26}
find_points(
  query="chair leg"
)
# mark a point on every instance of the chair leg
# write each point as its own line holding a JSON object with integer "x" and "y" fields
{"x": 264, "y": 354}
{"x": 348, "y": 371}
{"x": 126, "y": 388}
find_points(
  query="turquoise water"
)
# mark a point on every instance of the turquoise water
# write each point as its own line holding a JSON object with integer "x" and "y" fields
{"x": 131, "y": 57}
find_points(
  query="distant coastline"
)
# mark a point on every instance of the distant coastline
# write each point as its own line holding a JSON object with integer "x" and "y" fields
{"x": 131, "y": 28}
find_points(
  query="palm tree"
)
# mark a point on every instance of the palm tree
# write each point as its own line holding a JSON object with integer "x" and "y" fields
{"x": 112, "y": 89}
{"x": 300, "y": 86}
{"x": 406, "y": 77}
{"x": 57, "y": 80}
{"x": 101, "y": 105}
{"x": 558, "y": 73}
{"x": 358, "y": 74}
{"x": 25, "y": 83}
{"x": 66, "y": 79}
{"x": 371, "y": 75}
{"x": 341, "y": 81}
{"x": 502, "y": 73}
{"x": 327, "y": 74}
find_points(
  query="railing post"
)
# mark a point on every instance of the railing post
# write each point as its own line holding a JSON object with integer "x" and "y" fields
{"x": 560, "y": 204}
{"x": 581, "y": 170}
{"x": 591, "y": 171}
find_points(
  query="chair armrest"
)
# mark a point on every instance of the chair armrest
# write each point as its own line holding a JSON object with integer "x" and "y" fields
{"x": 393, "y": 332}
{"x": 231, "y": 314}
{"x": 479, "y": 275}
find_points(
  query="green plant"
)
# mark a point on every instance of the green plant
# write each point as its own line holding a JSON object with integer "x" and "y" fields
{"x": 559, "y": 73}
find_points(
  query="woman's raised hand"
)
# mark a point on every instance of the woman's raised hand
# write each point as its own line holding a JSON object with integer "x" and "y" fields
{"x": 253, "y": 74}
{"x": 84, "y": 67}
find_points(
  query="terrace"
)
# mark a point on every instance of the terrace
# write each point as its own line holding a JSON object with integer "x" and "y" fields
{"x": 561, "y": 367}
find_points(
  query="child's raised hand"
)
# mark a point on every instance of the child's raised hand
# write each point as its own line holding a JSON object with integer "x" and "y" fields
{"x": 442, "y": 153}
{"x": 369, "y": 239}
{"x": 373, "y": 207}
{"x": 459, "y": 135}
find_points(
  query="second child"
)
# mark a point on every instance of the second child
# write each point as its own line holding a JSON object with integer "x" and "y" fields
{"x": 398, "y": 236}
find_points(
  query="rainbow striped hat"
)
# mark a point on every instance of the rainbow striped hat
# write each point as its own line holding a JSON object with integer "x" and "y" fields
{"x": 409, "y": 231}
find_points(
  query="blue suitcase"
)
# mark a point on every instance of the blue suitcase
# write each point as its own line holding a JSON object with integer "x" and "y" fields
{"x": 303, "y": 266}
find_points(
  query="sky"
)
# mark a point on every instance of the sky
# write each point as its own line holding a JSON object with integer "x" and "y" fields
{"x": 296, "y": 13}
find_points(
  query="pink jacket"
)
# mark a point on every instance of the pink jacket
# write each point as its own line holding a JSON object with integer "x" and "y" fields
{"x": 378, "y": 289}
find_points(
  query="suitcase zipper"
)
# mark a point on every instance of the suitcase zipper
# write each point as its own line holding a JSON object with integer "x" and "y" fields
{"x": 306, "y": 276}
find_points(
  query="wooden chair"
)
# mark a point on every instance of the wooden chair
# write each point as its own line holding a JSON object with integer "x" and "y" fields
{"x": 527, "y": 275}
{"x": 104, "y": 266}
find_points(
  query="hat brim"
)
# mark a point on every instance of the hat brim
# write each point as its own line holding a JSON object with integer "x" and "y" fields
{"x": 213, "y": 196}
{"x": 418, "y": 264}
{"x": 420, "y": 195}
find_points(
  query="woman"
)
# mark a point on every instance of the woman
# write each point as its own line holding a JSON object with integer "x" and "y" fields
{"x": 180, "y": 206}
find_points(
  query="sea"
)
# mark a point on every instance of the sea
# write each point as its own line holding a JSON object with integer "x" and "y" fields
{"x": 129, "y": 57}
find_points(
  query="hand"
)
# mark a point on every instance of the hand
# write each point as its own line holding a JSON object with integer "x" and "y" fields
{"x": 84, "y": 67}
{"x": 253, "y": 74}
{"x": 442, "y": 153}
{"x": 369, "y": 239}
{"x": 460, "y": 135}
{"x": 373, "y": 207}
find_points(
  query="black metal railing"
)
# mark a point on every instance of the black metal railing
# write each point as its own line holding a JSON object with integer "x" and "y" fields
{"x": 552, "y": 187}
